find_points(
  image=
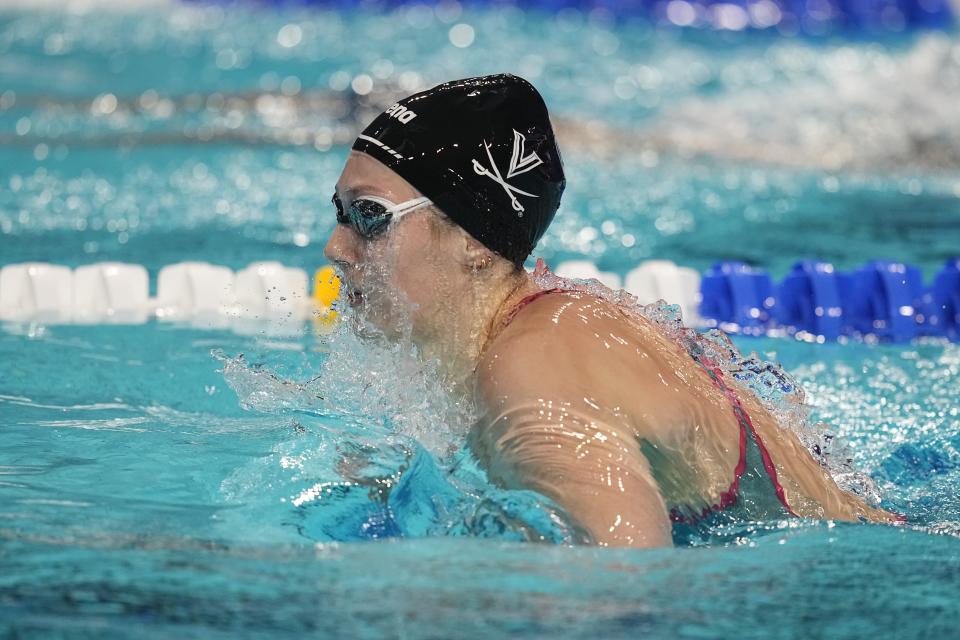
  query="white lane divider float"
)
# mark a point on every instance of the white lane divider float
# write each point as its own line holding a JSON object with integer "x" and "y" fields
{"x": 657, "y": 280}
{"x": 650, "y": 282}
{"x": 586, "y": 270}
{"x": 36, "y": 291}
{"x": 264, "y": 297}
{"x": 111, "y": 293}
{"x": 198, "y": 293}
{"x": 271, "y": 294}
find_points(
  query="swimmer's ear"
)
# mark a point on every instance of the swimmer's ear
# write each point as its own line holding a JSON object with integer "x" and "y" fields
{"x": 476, "y": 256}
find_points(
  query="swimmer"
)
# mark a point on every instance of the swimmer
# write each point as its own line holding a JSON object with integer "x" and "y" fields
{"x": 443, "y": 197}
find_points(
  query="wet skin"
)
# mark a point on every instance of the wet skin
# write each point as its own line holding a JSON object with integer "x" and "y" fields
{"x": 575, "y": 393}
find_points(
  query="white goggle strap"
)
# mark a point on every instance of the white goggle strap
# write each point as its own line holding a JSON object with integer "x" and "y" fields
{"x": 399, "y": 210}
{"x": 410, "y": 205}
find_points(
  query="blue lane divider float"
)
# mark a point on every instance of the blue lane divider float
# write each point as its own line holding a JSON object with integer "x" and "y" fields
{"x": 940, "y": 305}
{"x": 736, "y": 297}
{"x": 809, "y": 300}
{"x": 884, "y": 299}
{"x": 881, "y": 298}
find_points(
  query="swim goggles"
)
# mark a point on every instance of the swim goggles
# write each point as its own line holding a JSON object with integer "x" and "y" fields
{"x": 371, "y": 215}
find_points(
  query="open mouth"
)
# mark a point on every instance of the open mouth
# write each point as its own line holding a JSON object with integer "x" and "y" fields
{"x": 355, "y": 297}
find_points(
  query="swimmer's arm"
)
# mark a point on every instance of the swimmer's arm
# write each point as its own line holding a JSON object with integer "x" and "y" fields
{"x": 577, "y": 455}
{"x": 595, "y": 474}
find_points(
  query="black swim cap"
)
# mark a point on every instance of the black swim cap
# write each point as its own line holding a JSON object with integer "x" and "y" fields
{"x": 483, "y": 150}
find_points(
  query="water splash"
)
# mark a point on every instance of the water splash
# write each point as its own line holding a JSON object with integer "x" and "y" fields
{"x": 384, "y": 386}
{"x": 896, "y": 408}
{"x": 377, "y": 451}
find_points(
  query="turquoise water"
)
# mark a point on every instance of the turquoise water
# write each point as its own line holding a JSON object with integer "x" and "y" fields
{"x": 153, "y": 484}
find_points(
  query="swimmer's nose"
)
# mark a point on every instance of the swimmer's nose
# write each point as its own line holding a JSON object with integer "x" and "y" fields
{"x": 342, "y": 248}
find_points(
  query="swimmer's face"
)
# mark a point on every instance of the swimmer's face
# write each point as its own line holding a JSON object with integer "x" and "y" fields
{"x": 396, "y": 279}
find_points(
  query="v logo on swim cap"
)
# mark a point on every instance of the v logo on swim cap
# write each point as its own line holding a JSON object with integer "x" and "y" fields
{"x": 518, "y": 165}
{"x": 483, "y": 150}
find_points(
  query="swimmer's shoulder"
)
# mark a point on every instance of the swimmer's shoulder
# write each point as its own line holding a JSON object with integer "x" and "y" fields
{"x": 563, "y": 322}
{"x": 566, "y": 343}
{"x": 559, "y": 310}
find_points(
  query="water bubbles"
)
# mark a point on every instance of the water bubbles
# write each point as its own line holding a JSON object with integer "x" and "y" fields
{"x": 586, "y": 235}
{"x": 448, "y": 10}
{"x": 604, "y": 43}
{"x": 625, "y": 88}
{"x": 149, "y": 99}
{"x": 765, "y": 13}
{"x": 461, "y": 35}
{"x": 362, "y": 84}
{"x": 290, "y": 86}
{"x": 410, "y": 81}
{"x": 339, "y": 80}
{"x": 323, "y": 139}
{"x": 104, "y": 104}
{"x": 681, "y": 13}
{"x": 419, "y": 16}
{"x": 227, "y": 59}
{"x": 729, "y": 16}
{"x": 7, "y": 99}
{"x": 55, "y": 44}
{"x": 289, "y": 35}
{"x": 382, "y": 68}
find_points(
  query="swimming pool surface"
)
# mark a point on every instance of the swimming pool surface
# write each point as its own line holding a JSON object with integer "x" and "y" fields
{"x": 155, "y": 484}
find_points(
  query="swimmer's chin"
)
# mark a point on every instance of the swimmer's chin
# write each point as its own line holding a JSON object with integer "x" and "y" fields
{"x": 373, "y": 314}
{"x": 368, "y": 324}
{"x": 365, "y": 329}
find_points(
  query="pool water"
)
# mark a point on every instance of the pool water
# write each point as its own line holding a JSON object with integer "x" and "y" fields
{"x": 155, "y": 483}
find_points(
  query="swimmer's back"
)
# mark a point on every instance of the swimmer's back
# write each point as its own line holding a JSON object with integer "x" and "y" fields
{"x": 616, "y": 372}
{"x": 621, "y": 371}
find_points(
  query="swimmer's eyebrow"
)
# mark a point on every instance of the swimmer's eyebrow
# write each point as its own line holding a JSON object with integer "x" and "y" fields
{"x": 361, "y": 188}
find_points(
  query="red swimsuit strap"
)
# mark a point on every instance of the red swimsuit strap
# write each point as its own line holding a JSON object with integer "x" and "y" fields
{"x": 527, "y": 300}
{"x": 746, "y": 426}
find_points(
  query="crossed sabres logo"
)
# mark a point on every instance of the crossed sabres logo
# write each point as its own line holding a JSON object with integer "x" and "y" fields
{"x": 520, "y": 162}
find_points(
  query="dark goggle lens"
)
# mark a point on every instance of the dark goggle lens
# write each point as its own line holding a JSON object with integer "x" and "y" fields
{"x": 368, "y": 218}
